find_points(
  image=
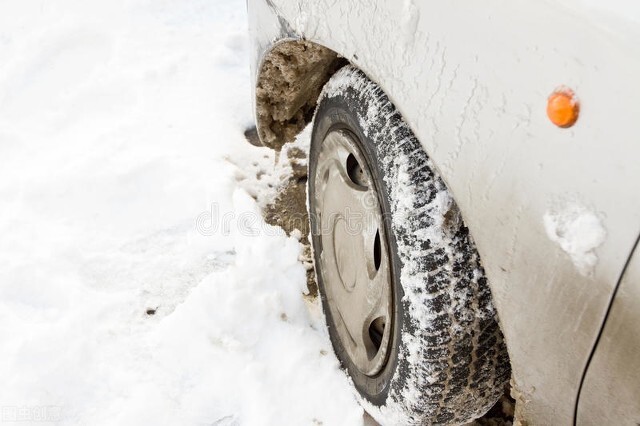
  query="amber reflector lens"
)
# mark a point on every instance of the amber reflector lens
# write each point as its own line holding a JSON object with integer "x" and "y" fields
{"x": 563, "y": 107}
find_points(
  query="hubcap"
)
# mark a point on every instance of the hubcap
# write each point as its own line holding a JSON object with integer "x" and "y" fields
{"x": 354, "y": 257}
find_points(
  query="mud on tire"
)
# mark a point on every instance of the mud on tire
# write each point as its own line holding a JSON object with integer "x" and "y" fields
{"x": 447, "y": 362}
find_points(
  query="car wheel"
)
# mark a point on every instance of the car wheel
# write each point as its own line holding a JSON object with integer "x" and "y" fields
{"x": 406, "y": 301}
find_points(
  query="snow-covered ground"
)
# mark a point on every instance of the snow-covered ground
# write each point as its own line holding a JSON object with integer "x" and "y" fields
{"x": 138, "y": 283}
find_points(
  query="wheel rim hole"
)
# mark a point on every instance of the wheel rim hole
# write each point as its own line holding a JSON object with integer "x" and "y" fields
{"x": 355, "y": 172}
{"x": 325, "y": 176}
{"x": 377, "y": 251}
{"x": 376, "y": 331}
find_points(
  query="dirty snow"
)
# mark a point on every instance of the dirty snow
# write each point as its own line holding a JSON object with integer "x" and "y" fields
{"x": 578, "y": 231}
{"x": 138, "y": 282}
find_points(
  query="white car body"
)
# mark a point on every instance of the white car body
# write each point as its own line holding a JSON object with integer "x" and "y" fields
{"x": 555, "y": 213}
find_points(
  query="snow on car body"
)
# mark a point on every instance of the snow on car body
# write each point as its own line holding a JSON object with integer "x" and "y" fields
{"x": 554, "y": 212}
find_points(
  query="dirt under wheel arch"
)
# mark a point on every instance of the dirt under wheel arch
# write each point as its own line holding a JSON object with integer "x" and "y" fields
{"x": 289, "y": 83}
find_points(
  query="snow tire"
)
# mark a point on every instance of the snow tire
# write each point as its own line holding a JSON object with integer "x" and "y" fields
{"x": 448, "y": 362}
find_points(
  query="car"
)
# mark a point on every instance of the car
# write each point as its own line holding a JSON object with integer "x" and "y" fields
{"x": 473, "y": 198}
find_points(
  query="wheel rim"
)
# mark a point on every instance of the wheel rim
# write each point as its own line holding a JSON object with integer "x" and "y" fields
{"x": 354, "y": 256}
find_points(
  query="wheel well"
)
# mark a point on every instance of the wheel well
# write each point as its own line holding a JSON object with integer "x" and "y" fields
{"x": 289, "y": 82}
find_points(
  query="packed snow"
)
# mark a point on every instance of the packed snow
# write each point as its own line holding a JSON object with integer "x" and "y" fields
{"x": 138, "y": 281}
{"x": 578, "y": 231}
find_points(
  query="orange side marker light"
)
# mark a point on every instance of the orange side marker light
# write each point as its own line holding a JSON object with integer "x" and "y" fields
{"x": 563, "y": 107}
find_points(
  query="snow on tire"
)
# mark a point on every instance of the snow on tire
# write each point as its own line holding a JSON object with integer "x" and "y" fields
{"x": 446, "y": 361}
